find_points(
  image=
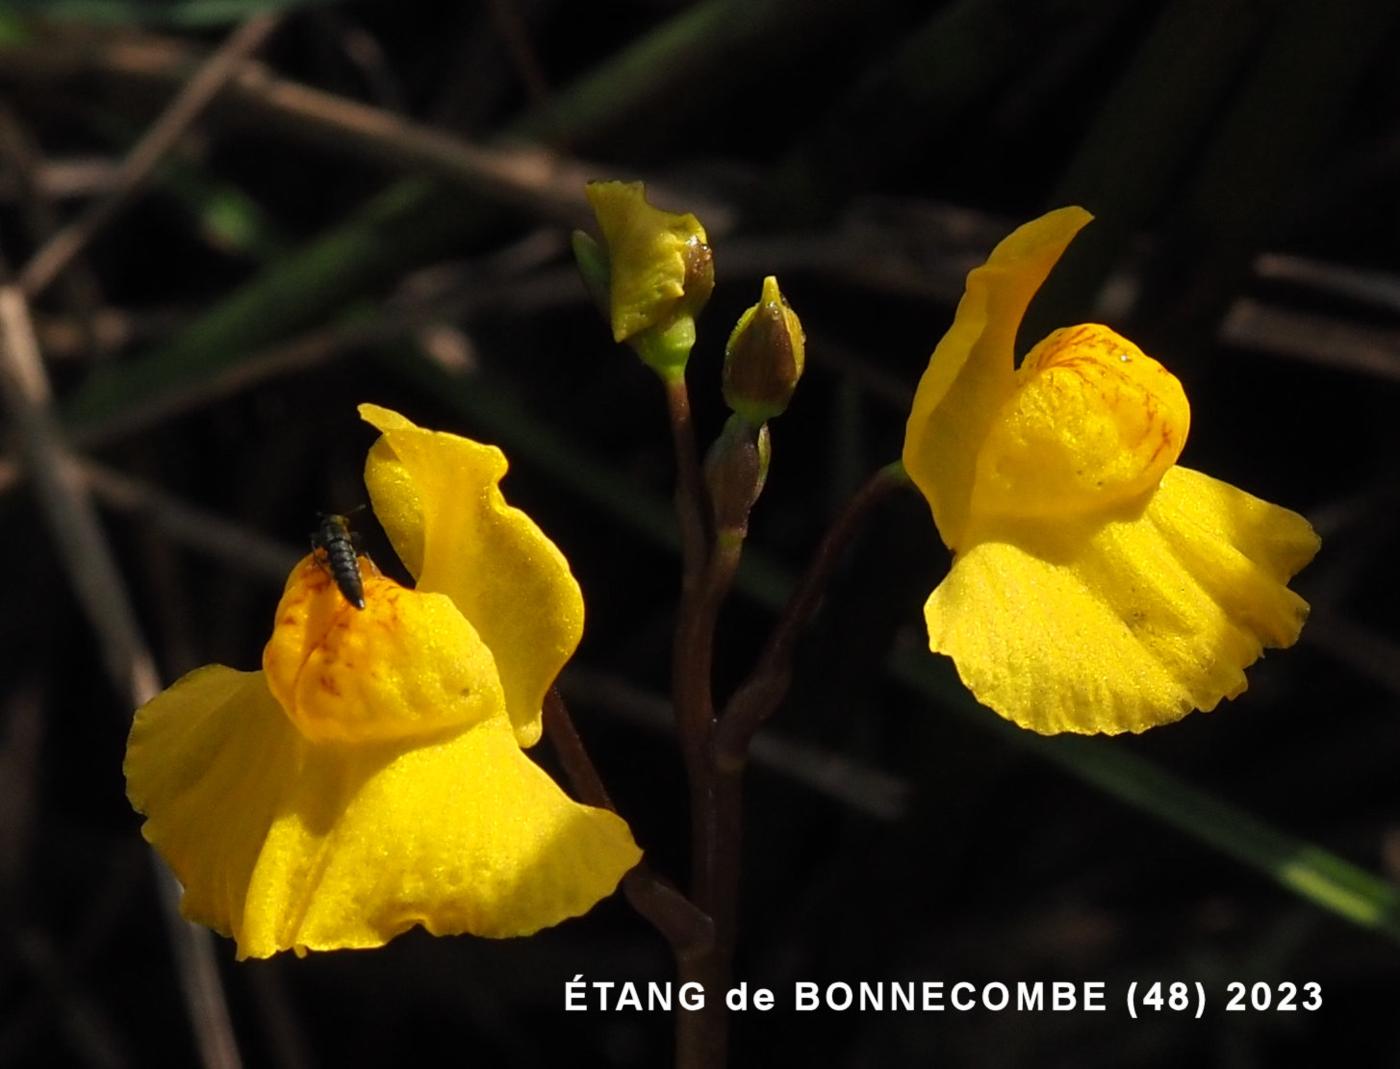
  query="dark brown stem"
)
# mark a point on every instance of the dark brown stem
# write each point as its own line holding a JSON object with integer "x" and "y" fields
{"x": 692, "y": 700}
{"x": 702, "y": 1035}
{"x": 707, "y": 570}
{"x": 690, "y": 671}
{"x": 688, "y": 930}
{"x": 758, "y": 697}
{"x": 713, "y": 835}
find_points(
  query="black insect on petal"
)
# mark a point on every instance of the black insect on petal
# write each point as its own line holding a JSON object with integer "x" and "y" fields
{"x": 334, "y": 547}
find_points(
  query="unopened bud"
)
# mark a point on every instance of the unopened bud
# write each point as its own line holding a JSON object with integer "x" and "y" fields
{"x": 661, "y": 273}
{"x": 736, "y": 468}
{"x": 764, "y": 357}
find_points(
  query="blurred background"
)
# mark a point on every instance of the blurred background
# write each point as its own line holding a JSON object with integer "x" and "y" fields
{"x": 231, "y": 222}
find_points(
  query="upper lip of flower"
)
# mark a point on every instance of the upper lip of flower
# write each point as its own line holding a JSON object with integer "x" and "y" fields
{"x": 438, "y": 499}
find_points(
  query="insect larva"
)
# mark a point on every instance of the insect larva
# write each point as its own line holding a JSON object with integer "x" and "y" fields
{"x": 334, "y": 546}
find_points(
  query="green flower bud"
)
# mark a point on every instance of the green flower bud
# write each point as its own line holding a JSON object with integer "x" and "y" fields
{"x": 661, "y": 273}
{"x": 592, "y": 260}
{"x": 736, "y": 468}
{"x": 764, "y": 357}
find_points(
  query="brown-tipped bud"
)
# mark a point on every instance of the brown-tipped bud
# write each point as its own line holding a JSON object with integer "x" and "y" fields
{"x": 735, "y": 469}
{"x": 764, "y": 357}
{"x": 699, "y": 273}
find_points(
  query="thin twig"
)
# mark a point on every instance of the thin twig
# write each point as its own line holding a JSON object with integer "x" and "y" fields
{"x": 65, "y": 179}
{"x": 546, "y": 184}
{"x": 73, "y": 523}
{"x": 1315, "y": 339}
{"x": 860, "y": 787}
{"x": 403, "y": 315}
{"x": 755, "y": 701}
{"x": 515, "y": 35}
{"x": 67, "y": 507}
{"x": 195, "y": 527}
{"x": 694, "y": 710}
{"x": 685, "y": 927}
{"x": 81, "y": 291}
{"x": 146, "y": 154}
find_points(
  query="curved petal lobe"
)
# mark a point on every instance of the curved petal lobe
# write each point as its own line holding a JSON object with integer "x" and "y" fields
{"x": 438, "y": 497}
{"x": 970, "y": 374}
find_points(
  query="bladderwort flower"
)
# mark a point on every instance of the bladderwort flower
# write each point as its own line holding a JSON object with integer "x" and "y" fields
{"x": 1096, "y": 586}
{"x": 370, "y": 777}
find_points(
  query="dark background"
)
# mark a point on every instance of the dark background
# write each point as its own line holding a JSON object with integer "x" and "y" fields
{"x": 209, "y": 347}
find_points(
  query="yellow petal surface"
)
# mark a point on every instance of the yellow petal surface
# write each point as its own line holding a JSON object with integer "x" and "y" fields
{"x": 207, "y": 762}
{"x": 1093, "y": 422}
{"x": 1123, "y": 621}
{"x": 646, "y": 253}
{"x": 970, "y": 375}
{"x": 288, "y": 844}
{"x": 408, "y": 665}
{"x": 438, "y": 498}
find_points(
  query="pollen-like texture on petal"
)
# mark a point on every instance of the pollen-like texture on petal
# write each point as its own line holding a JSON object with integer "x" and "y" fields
{"x": 1126, "y": 620}
{"x": 438, "y": 498}
{"x": 646, "y": 254}
{"x": 970, "y": 375}
{"x": 288, "y": 844}
{"x": 407, "y": 665}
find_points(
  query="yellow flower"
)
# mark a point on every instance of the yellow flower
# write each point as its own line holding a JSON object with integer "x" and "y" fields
{"x": 1096, "y": 586}
{"x": 370, "y": 777}
{"x": 660, "y": 273}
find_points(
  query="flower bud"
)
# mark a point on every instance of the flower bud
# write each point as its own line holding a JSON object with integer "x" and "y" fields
{"x": 764, "y": 357}
{"x": 660, "y": 273}
{"x": 735, "y": 470}
{"x": 592, "y": 260}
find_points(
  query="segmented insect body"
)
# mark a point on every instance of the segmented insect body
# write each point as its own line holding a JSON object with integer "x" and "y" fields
{"x": 334, "y": 546}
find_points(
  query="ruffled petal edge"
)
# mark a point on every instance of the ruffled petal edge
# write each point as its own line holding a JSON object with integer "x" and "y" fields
{"x": 1128, "y": 623}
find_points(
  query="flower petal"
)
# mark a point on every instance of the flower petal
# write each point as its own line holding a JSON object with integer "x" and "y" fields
{"x": 286, "y": 844}
{"x": 407, "y": 665}
{"x": 206, "y": 762}
{"x": 1128, "y": 621}
{"x": 467, "y": 835}
{"x": 437, "y": 497}
{"x": 970, "y": 374}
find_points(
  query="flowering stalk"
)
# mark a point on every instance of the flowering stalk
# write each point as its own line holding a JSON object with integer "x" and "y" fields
{"x": 1096, "y": 586}
{"x": 717, "y": 789}
{"x": 650, "y": 894}
{"x": 690, "y": 676}
{"x": 758, "y": 697}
